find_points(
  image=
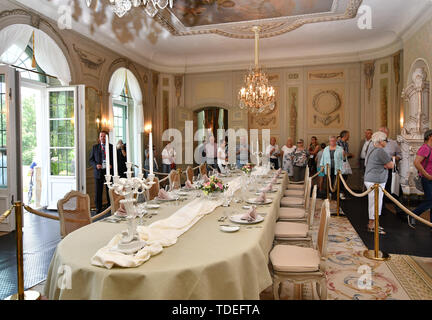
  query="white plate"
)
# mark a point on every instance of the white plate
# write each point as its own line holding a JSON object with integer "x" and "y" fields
{"x": 153, "y": 206}
{"x": 258, "y": 192}
{"x": 253, "y": 201}
{"x": 182, "y": 193}
{"x": 166, "y": 200}
{"x": 229, "y": 228}
{"x": 267, "y": 182}
{"x": 237, "y": 219}
{"x": 246, "y": 207}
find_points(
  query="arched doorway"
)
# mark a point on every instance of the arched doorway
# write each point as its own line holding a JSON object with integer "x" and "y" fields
{"x": 125, "y": 112}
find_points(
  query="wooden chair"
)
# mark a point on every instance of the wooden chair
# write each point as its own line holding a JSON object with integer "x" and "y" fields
{"x": 297, "y": 202}
{"x": 301, "y": 184}
{"x": 174, "y": 180}
{"x": 114, "y": 200}
{"x": 189, "y": 174}
{"x": 203, "y": 169}
{"x": 74, "y": 212}
{"x": 286, "y": 231}
{"x": 295, "y": 213}
{"x": 299, "y": 264}
{"x": 154, "y": 190}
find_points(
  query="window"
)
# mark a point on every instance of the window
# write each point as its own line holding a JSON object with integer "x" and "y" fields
{"x": 120, "y": 118}
{"x": 25, "y": 61}
{"x": 62, "y": 133}
{"x": 3, "y": 133}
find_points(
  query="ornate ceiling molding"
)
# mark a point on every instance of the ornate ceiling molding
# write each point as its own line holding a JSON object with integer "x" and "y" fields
{"x": 269, "y": 27}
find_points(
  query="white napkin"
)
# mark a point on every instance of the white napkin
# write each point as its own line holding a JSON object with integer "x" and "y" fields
{"x": 250, "y": 215}
{"x": 268, "y": 188}
{"x": 261, "y": 198}
{"x": 189, "y": 185}
{"x": 274, "y": 180}
{"x": 164, "y": 195}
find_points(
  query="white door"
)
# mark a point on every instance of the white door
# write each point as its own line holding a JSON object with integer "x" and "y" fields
{"x": 10, "y": 144}
{"x": 64, "y": 120}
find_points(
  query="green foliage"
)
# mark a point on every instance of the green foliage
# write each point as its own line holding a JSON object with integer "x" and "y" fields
{"x": 28, "y": 130}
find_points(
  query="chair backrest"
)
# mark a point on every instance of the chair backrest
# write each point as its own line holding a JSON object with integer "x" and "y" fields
{"x": 312, "y": 207}
{"x": 74, "y": 212}
{"x": 322, "y": 238}
{"x": 189, "y": 173}
{"x": 174, "y": 180}
{"x": 203, "y": 169}
{"x": 154, "y": 190}
{"x": 306, "y": 174}
{"x": 307, "y": 192}
{"x": 114, "y": 200}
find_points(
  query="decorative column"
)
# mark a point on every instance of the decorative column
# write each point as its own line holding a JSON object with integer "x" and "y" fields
{"x": 416, "y": 123}
{"x": 178, "y": 83}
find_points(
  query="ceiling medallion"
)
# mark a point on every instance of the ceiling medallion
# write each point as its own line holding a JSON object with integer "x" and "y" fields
{"x": 151, "y": 7}
{"x": 257, "y": 95}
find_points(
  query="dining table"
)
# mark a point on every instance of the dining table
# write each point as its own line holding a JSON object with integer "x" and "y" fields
{"x": 205, "y": 262}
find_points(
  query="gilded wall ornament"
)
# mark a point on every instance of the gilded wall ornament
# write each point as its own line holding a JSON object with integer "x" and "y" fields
{"x": 369, "y": 71}
{"x": 332, "y": 103}
{"x": 89, "y": 59}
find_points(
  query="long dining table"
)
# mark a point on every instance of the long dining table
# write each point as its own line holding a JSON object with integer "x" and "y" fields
{"x": 205, "y": 263}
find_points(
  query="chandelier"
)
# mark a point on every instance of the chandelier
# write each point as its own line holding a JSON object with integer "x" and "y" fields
{"x": 257, "y": 95}
{"x": 151, "y": 7}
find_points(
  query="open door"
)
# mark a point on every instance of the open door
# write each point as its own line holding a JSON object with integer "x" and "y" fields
{"x": 65, "y": 159}
{"x": 10, "y": 144}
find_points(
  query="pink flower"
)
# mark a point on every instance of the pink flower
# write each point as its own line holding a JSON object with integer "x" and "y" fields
{"x": 220, "y": 185}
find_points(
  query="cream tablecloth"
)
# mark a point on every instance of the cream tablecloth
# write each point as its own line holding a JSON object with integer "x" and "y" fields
{"x": 205, "y": 263}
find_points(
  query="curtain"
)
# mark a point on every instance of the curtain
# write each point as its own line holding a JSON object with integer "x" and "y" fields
{"x": 14, "y": 40}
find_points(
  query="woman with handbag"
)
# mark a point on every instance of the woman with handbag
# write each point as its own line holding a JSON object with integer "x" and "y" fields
{"x": 423, "y": 164}
{"x": 333, "y": 156}
{"x": 377, "y": 163}
{"x": 300, "y": 161}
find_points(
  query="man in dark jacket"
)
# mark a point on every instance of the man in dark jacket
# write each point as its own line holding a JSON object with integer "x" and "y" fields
{"x": 98, "y": 162}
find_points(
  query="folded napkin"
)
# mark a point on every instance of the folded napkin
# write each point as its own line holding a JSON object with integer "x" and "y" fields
{"x": 121, "y": 211}
{"x": 274, "y": 180}
{"x": 206, "y": 179}
{"x": 164, "y": 195}
{"x": 189, "y": 185}
{"x": 250, "y": 215}
{"x": 268, "y": 188}
{"x": 261, "y": 198}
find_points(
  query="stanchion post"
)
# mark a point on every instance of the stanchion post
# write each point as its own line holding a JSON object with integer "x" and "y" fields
{"x": 338, "y": 192}
{"x": 20, "y": 259}
{"x": 328, "y": 181}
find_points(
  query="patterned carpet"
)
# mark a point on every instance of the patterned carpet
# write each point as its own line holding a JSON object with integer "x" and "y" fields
{"x": 400, "y": 278}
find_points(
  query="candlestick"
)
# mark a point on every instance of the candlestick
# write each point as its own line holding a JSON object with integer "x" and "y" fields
{"x": 107, "y": 155}
{"x": 151, "y": 152}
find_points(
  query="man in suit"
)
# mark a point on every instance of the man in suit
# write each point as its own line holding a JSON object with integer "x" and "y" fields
{"x": 98, "y": 162}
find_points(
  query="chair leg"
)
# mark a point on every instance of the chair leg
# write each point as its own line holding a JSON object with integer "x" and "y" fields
{"x": 322, "y": 289}
{"x": 276, "y": 285}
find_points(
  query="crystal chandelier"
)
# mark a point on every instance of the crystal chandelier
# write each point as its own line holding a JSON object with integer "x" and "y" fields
{"x": 257, "y": 95}
{"x": 151, "y": 7}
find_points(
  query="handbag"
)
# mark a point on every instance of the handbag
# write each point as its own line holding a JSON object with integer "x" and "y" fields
{"x": 395, "y": 184}
{"x": 346, "y": 167}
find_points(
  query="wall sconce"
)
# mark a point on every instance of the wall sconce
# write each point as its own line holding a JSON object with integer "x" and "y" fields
{"x": 148, "y": 128}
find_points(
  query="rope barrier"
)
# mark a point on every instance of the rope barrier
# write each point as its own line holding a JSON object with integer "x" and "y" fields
{"x": 332, "y": 189}
{"x": 358, "y": 195}
{"x": 316, "y": 174}
{"x": 41, "y": 214}
{"x": 404, "y": 209}
{"x": 6, "y": 214}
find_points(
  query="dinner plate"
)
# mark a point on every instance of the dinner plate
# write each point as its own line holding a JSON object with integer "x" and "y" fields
{"x": 262, "y": 190}
{"x": 237, "y": 219}
{"x": 152, "y": 206}
{"x": 253, "y": 201}
{"x": 267, "y": 182}
{"x": 182, "y": 193}
{"x": 167, "y": 200}
{"x": 227, "y": 228}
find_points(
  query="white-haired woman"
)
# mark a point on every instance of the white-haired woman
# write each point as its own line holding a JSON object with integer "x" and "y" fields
{"x": 377, "y": 163}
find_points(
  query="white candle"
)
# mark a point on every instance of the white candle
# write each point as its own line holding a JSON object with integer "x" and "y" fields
{"x": 107, "y": 157}
{"x": 151, "y": 152}
{"x": 257, "y": 152}
{"x": 128, "y": 147}
{"x": 115, "y": 161}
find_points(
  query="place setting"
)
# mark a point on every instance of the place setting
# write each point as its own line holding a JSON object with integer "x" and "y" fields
{"x": 260, "y": 200}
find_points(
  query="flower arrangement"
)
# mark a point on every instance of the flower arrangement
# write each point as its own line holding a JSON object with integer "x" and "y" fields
{"x": 247, "y": 168}
{"x": 213, "y": 185}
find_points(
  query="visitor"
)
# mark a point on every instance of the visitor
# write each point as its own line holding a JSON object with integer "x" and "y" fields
{"x": 343, "y": 142}
{"x": 242, "y": 152}
{"x": 300, "y": 160}
{"x": 98, "y": 162}
{"x": 314, "y": 148}
{"x": 221, "y": 156}
{"x": 273, "y": 153}
{"x": 393, "y": 150}
{"x": 168, "y": 157}
{"x": 147, "y": 161}
{"x": 365, "y": 144}
{"x": 121, "y": 159}
{"x": 377, "y": 163}
{"x": 333, "y": 157}
{"x": 211, "y": 152}
{"x": 423, "y": 164}
{"x": 321, "y": 175}
{"x": 287, "y": 152}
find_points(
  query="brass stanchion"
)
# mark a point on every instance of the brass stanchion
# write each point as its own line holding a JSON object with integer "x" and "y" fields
{"x": 328, "y": 181}
{"x": 29, "y": 294}
{"x": 376, "y": 254}
{"x": 338, "y": 193}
